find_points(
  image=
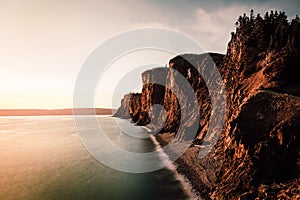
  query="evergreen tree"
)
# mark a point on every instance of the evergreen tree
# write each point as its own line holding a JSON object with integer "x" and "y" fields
{"x": 276, "y": 14}
{"x": 252, "y": 16}
{"x": 271, "y": 17}
{"x": 258, "y": 17}
{"x": 236, "y": 23}
{"x": 240, "y": 20}
{"x": 266, "y": 17}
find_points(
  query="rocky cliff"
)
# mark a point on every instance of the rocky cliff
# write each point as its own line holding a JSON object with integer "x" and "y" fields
{"x": 153, "y": 92}
{"x": 260, "y": 143}
{"x": 191, "y": 67}
{"x": 123, "y": 110}
{"x": 135, "y": 106}
{"x": 130, "y": 107}
{"x": 257, "y": 153}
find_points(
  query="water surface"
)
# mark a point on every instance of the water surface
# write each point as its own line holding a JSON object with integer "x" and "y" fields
{"x": 42, "y": 158}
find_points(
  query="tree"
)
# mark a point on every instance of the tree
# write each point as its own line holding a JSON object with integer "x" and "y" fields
{"x": 252, "y": 16}
{"x": 258, "y": 19}
{"x": 236, "y": 23}
{"x": 276, "y": 14}
{"x": 272, "y": 17}
{"x": 232, "y": 35}
{"x": 267, "y": 16}
{"x": 239, "y": 21}
{"x": 245, "y": 19}
{"x": 258, "y": 16}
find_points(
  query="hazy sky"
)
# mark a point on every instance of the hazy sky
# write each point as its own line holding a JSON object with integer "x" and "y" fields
{"x": 43, "y": 44}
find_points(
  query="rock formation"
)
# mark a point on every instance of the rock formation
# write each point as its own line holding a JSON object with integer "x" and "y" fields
{"x": 123, "y": 110}
{"x": 260, "y": 143}
{"x": 130, "y": 107}
{"x": 153, "y": 92}
{"x": 135, "y": 106}
{"x": 257, "y": 153}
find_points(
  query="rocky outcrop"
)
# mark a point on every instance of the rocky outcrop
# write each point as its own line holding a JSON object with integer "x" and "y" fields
{"x": 260, "y": 147}
{"x": 123, "y": 110}
{"x": 257, "y": 153}
{"x": 260, "y": 73}
{"x": 191, "y": 67}
{"x": 130, "y": 107}
{"x": 152, "y": 94}
{"x": 260, "y": 70}
{"x": 135, "y": 106}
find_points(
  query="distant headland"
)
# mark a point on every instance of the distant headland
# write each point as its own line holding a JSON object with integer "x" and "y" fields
{"x": 65, "y": 111}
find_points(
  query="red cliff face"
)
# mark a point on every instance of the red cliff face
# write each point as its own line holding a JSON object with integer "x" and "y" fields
{"x": 260, "y": 143}
{"x": 152, "y": 93}
{"x": 189, "y": 66}
{"x": 130, "y": 107}
{"x": 135, "y": 106}
{"x": 257, "y": 154}
{"x": 123, "y": 110}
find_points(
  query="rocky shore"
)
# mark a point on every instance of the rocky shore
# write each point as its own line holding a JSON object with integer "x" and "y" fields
{"x": 256, "y": 155}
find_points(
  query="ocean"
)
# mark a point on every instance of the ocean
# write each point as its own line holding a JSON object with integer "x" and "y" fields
{"x": 43, "y": 158}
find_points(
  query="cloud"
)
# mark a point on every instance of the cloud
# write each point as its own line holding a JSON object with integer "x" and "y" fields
{"x": 207, "y": 22}
{"x": 213, "y": 28}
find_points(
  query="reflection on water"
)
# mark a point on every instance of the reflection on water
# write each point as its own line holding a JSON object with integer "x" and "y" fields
{"x": 43, "y": 158}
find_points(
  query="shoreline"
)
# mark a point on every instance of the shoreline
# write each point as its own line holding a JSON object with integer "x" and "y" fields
{"x": 187, "y": 166}
{"x": 187, "y": 169}
{"x": 175, "y": 167}
{"x": 186, "y": 184}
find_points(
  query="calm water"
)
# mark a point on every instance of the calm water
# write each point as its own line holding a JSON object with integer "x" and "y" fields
{"x": 42, "y": 158}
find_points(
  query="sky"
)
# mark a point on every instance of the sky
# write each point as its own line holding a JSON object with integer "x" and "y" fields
{"x": 45, "y": 43}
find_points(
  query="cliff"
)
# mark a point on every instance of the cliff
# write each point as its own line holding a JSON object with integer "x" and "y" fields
{"x": 153, "y": 92}
{"x": 123, "y": 110}
{"x": 260, "y": 144}
{"x": 189, "y": 66}
{"x": 257, "y": 153}
{"x": 130, "y": 107}
{"x": 135, "y": 106}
